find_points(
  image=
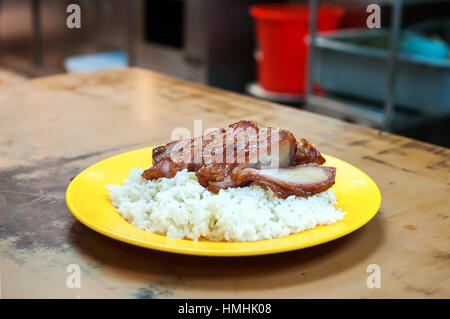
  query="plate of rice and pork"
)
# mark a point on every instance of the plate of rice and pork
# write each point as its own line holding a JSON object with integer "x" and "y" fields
{"x": 237, "y": 191}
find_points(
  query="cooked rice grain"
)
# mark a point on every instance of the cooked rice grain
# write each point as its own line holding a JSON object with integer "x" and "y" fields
{"x": 181, "y": 208}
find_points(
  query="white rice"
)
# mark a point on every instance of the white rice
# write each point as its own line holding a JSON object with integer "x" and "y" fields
{"x": 181, "y": 208}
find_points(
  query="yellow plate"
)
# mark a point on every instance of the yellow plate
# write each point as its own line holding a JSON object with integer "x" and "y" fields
{"x": 87, "y": 199}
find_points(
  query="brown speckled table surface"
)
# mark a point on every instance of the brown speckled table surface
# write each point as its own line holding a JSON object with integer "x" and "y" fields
{"x": 52, "y": 128}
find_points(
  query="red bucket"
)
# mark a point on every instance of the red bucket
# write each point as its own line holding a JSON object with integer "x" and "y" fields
{"x": 281, "y": 31}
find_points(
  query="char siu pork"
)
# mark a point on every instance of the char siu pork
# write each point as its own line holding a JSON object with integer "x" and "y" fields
{"x": 244, "y": 153}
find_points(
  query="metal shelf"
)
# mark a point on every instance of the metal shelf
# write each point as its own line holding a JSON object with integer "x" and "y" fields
{"x": 341, "y": 107}
{"x": 367, "y": 113}
{"x": 256, "y": 90}
{"x": 382, "y": 118}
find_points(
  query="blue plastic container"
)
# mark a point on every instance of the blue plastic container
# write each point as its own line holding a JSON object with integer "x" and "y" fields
{"x": 354, "y": 63}
{"x": 96, "y": 62}
{"x": 419, "y": 45}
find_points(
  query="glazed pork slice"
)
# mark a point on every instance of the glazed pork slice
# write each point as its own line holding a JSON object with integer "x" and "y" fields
{"x": 301, "y": 180}
{"x": 216, "y": 155}
{"x": 219, "y": 157}
{"x": 306, "y": 153}
{"x": 258, "y": 148}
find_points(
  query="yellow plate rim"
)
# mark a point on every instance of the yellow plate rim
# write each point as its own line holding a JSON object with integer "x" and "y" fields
{"x": 210, "y": 251}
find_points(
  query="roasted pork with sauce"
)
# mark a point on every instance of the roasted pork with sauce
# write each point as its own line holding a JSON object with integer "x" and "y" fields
{"x": 244, "y": 153}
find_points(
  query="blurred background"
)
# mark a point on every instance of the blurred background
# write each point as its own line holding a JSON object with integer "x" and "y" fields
{"x": 321, "y": 56}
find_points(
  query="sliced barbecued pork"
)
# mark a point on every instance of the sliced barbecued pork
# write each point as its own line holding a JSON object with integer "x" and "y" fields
{"x": 221, "y": 157}
{"x": 301, "y": 180}
{"x": 215, "y": 155}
